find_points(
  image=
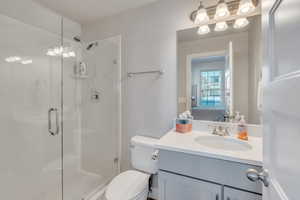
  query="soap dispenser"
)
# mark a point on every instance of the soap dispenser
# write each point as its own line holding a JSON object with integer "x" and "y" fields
{"x": 242, "y": 129}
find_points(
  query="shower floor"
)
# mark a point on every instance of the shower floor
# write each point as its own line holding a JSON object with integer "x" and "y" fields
{"x": 81, "y": 185}
{"x": 77, "y": 183}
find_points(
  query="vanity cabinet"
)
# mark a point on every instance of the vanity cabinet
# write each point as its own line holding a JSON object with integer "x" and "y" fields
{"x": 234, "y": 194}
{"x": 184, "y": 176}
{"x": 176, "y": 187}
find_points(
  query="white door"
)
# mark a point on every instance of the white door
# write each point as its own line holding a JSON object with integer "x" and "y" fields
{"x": 281, "y": 118}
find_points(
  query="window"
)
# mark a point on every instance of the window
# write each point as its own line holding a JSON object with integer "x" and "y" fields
{"x": 211, "y": 89}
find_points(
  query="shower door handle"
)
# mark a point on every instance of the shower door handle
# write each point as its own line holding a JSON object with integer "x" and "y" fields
{"x": 56, "y": 131}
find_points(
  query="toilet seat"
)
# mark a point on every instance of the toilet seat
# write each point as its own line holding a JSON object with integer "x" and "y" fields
{"x": 127, "y": 186}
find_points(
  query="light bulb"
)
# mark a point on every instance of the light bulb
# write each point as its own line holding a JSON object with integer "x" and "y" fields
{"x": 50, "y": 52}
{"x": 17, "y": 58}
{"x": 12, "y": 59}
{"x": 245, "y": 7}
{"x": 222, "y": 11}
{"x": 203, "y": 30}
{"x": 26, "y": 62}
{"x": 66, "y": 55}
{"x": 240, "y": 23}
{"x": 58, "y": 50}
{"x": 201, "y": 17}
{"x": 9, "y": 59}
{"x": 221, "y": 26}
{"x": 72, "y": 54}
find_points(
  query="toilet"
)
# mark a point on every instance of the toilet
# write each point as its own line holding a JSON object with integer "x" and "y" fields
{"x": 134, "y": 184}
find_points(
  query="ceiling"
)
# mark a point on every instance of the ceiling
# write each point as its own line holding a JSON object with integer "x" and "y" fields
{"x": 86, "y": 11}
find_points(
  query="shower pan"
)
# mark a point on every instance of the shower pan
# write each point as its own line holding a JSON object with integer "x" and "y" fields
{"x": 56, "y": 142}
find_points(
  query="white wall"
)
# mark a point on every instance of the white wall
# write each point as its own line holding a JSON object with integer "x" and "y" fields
{"x": 30, "y": 12}
{"x": 213, "y": 44}
{"x": 148, "y": 42}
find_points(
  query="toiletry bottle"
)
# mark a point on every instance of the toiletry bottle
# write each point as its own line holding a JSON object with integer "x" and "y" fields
{"x": 237, "y": 117}
{"x": 242, "y": 129}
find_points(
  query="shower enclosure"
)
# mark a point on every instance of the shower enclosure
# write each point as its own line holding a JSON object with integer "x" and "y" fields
{"x": 60, "y": 112}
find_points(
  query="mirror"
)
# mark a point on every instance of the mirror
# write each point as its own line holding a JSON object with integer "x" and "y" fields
{"x": 219, "y": 74}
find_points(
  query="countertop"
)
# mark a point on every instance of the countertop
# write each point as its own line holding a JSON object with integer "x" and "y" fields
{"x": 185, "y": 143}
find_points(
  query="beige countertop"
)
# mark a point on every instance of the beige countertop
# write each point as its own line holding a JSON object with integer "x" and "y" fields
{"x": 187, "y": 143}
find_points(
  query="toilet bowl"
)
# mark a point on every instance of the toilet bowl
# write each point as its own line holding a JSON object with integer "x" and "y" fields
{"x": 134, "y": 184}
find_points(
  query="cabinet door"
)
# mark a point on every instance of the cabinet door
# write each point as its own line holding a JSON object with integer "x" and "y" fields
{"x": 176, "y": 187}
{"x": 234, "y": 194}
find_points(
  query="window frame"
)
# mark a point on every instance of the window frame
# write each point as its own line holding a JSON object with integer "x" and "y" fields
{"x": 222, "y": 89}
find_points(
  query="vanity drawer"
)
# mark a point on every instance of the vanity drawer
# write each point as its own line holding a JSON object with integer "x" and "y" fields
{"x": 215, "y": 170}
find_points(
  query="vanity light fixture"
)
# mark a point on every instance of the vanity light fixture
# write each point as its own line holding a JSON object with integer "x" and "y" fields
{"x": 220, "y": 15}
{"x": 204, "y": 29}
{"x": 201, "y": 16}
{"x": 222, "y": 11}
{"x": 245, "y": 7}
{"x": 240, "y": 23}
{"x": 221, "y": 26}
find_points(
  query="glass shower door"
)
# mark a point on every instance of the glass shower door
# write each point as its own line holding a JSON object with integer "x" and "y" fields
{"x": 91, "y": 109}
{"x": 30, "y": 103}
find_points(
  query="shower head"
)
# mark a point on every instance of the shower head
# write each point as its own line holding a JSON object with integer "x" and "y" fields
{"x": 91, "y": 45}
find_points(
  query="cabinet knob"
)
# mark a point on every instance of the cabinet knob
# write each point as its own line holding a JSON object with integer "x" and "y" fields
{"x": 254, "y": 175}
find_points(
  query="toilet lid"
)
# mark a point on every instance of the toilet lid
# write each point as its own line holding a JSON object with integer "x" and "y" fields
{"x": 127, "y": 185}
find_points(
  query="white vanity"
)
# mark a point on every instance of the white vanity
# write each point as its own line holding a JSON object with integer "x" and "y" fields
{"x": 202, "y": 166}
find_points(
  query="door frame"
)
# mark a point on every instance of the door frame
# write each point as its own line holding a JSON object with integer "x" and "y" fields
{"x": 188, "y": 69}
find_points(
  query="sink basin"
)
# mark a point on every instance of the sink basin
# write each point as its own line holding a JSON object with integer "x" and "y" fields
{"x": 223, "y": 143}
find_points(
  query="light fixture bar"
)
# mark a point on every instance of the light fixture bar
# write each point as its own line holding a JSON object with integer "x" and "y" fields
{"x": 233, "y": 7}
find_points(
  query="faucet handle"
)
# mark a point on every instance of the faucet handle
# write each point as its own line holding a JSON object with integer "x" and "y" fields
{"x": 226, "y": 131}
{"x": 214, "y": 129}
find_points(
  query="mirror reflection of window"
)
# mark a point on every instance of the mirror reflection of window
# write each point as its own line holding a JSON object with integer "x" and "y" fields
{"x": 211, "y": 87}
{"x": 208, "y": 83}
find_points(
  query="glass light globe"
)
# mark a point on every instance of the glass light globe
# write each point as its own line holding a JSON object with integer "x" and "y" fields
{"x": 222, "y": 11}
{"x": 245, "y": 7}
{"x": 203, "y": 30}
{"x": 221, "y": 26}
{"x": 201, "y": 17}
{"x": 240, "y": 23}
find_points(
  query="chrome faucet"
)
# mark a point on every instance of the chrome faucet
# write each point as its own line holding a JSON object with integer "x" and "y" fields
{"x": 220, "y": 130}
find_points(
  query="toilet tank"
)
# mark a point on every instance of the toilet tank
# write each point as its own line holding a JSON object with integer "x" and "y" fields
{"x": 142, "y": 151}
